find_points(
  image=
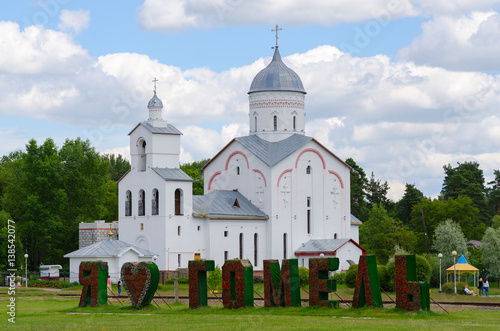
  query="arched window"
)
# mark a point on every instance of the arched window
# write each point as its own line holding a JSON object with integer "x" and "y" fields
{"x": 255, "y": 247}
{"x": 255, "y": 120}
{"x": 237, "y": 171}
{"x": 155, "y": 203}
{"x": 128, "y": 203}
{"x": 141, "y": 148}
{"x": 294, "y": 123}
{"x": 178, "y": 202}
{"x": 284, "y": 245}
{"x": 308, "y": 170}
{"x": 241, "y": 245}
{"x": 275, "y": 120}
{"x": 335, "y": 236}
{"x": 141, "y": 211}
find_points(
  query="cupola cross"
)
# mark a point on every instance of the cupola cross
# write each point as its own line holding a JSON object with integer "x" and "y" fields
{"x": 154, "y": 81}
{"x": 276, "y": 29}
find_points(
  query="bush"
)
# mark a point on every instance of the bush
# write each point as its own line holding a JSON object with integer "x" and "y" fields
{"x": 383, "y": 277}
{"x": 350, "y": 275}
{"x": 51, "y": 284}
{"x": 424, "y": 271}
{"x": 258, "y": 280}
{"x": 304, "y": 276}
{"x": 339, "y": 277}
{"x": 214, "y": 279}
{"x": 450, "y": 288}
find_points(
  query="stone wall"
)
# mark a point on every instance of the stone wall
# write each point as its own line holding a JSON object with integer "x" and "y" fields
{"x": 90, "y": 233}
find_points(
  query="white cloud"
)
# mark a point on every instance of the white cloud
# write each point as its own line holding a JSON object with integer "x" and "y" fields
{"x": 467, "y": 42}
{"x": 75, "y": 20}
{"x": 176, "y": 15}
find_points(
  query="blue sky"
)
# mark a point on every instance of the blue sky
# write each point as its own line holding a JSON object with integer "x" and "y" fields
{"x": 401, "y": 86}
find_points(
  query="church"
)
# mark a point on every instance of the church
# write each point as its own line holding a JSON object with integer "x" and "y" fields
{"x": 273, "y": 194}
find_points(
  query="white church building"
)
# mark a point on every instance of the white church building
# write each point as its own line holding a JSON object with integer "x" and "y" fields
{"x": 273, "y": 194}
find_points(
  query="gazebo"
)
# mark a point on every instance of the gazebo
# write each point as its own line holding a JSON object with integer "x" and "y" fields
{"x": 463, "y": 267}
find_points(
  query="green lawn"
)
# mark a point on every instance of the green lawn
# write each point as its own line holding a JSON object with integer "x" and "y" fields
{"x": 42, "y": 310}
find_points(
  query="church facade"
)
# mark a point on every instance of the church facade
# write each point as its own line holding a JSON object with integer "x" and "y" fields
{"x": 274, "y": 194}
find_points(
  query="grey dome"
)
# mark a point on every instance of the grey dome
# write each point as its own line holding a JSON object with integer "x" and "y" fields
{"x": 276, "y": 77}
{"x": 155, "y": 102}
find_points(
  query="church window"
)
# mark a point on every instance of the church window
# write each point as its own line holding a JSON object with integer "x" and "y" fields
{"x": 179, "y": 260}
{"x": 199, "y": 228}
{"x": 179, "y": 230}
{"x": 154, "y": 203}
{"x": 255, "y": 247}
{"x": 237, "y": 171}
{"x": 284, "y": 245}
{"x": 255, "y": 120}
{"x": 308, "y": 170}
{"x": 294, "y": 122}
{"x": 226, "y": 256}
{"x": 241, "y": 245}
{"x": 309, "y": 221}
{"x": 335, "y": 236}
{"x": 225, "y": 233}
{"x": 140, "y": 203}
{"x": 141, "y": 148}
{"x": 308, "y": 201}
{"x": 178, "y": 202}
{"x": 142, "y": 226}
{"x": 275, "y": 120}
{"x": 128, "y": 203}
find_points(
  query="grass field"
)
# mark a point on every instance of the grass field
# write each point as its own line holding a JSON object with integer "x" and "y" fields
{"x": 42, "y": 310}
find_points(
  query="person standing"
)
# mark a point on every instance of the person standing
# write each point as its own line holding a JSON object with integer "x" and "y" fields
{"x": 119, "y": 286}
{"x": 486, "y": 287}
{"x": 109, "y": 284}
{"x": 480, "y": 286}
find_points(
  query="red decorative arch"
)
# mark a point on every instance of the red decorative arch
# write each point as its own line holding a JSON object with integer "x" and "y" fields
{"x": 338, "y": 176}
{"x": 284, "y": 172}
{"x": 310, "y": 150}
{"x": 234, "y": 153}
{"x": 264, "y": 177}
{"x": 212, "y": 178}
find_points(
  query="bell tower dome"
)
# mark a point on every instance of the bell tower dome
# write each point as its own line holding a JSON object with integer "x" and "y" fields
{"x": 276, "y": 101}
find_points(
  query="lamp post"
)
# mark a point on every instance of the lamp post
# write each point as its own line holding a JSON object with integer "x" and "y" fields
{"x": 440, "y": 256}
{"x": 26, "y": 264}
{"x": 454, "y": 253}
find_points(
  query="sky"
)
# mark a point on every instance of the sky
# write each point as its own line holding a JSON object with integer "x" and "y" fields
{"x": 403, "y": 87}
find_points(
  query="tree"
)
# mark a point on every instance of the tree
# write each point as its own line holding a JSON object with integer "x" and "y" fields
{"x": 411, "y": 197}
{"x": 118, "y": 166}
{"x": 193, "y": 169}
{"x": 493, "y": 195}
{"x": 380, "y": 233}
{"x": 491, "y": 252}
{"x": 359, "y": 205}
{"x": 376, "y": 191}
{"x": 6, "y": 241}
{"x": 466, "y": 179}
{"x": 449, "y": 237}
{"x": 435, "y": 211}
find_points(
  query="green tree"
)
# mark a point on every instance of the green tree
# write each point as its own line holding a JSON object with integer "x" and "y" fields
{"x": 435, "y": 211}
{"x": 495, "y": 223}
{"x": 491, "y": 252}
{"x": 214, "y": 279}
{"x": 193, "y": 169}
{"x": 493, "y": 194}
{"x": 118, "y": 166}
{"x": 359, "y": 205}
{"x": 411, "y": 197}
{"x": 6, "y": 241}
{"x": 449, "y": 237}
{"x": 381, "y": 233}
{"x": 376, "y": 192}
{"x": 466, "y": 179}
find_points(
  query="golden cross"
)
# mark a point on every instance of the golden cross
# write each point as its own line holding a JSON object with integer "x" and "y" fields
{"x": 276, "y": 29}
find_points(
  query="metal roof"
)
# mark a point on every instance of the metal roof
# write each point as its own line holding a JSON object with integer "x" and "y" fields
{"x": 169, "y": 129}
{"x": 155, "y": 102}
{"x": 227, "y": 205}
{"x": 109, "y": 248}
{"x": 277, "y": 77}
{"x": 355, "y": 220}
{"x": 272, "y": 153}
{"x": 321, "y": 245}
{"x": 173, "y": 174}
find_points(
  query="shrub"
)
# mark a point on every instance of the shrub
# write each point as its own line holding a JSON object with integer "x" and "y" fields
{"x": 350, "y": 275}
{"x": 383, "y": 277}
{"x": 304, "y": 276}
{"x": 258, "y": 279}
{"x": 450, "y": 288}
{"x": 214, "y": 279}
{"x": 424, "y": 271}
{"x": 339, "y": 277}
{"x": 51, "y": 284}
